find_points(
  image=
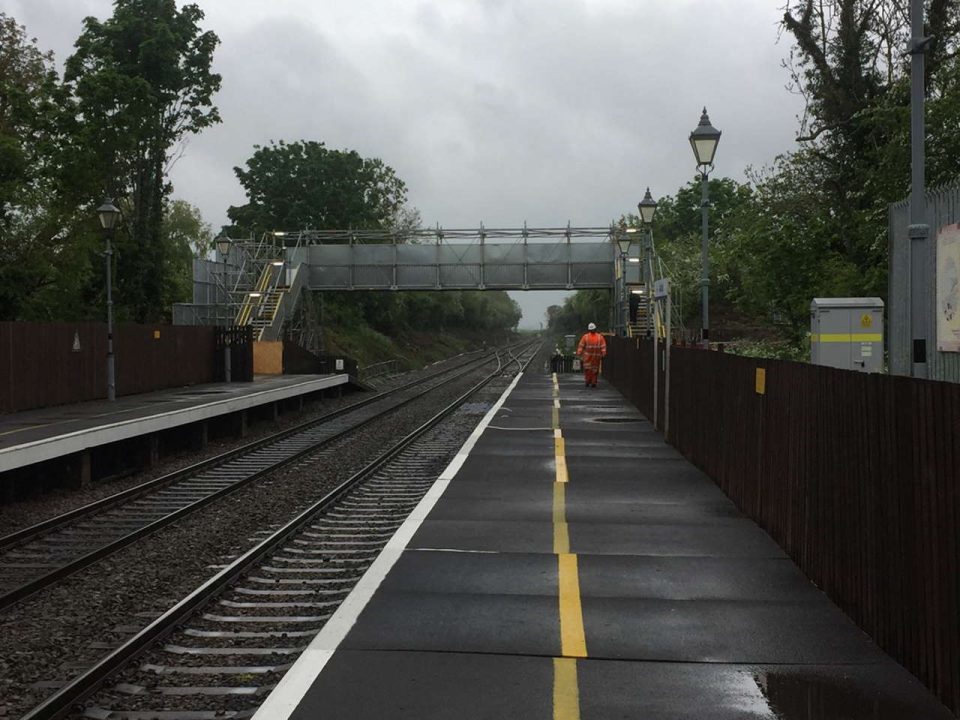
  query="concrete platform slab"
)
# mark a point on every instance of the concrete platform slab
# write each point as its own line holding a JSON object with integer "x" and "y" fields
{"x": 682, "y": 691}
{"x": 694, "y": 578}
{"x": 737, "y": 538}
{"x": 729, "y": 631}
{"x": 459, "y": 622}
{"x": 475, "y": 573}
{"x": 506, "y": 536}
{"x": 420, "y": 685}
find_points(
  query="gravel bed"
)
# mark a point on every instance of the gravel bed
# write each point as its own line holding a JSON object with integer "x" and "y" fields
{"x": 48, "y": 637}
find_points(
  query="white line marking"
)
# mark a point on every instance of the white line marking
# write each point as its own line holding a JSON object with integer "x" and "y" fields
{"x": 294, "y": 685}
{"x": 500, "y": 427}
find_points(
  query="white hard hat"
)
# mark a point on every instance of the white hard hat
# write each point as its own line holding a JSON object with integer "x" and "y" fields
{"x": 591, "y": 326}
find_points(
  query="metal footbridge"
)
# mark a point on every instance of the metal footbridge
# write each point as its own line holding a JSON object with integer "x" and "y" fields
{"x": 261, "y": 281}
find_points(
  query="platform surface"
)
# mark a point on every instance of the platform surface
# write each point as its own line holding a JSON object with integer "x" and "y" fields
{"x": 46, "y": 433}
{"x": 685, "y": 608}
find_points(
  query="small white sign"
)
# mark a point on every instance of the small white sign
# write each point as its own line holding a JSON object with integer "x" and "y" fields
{"x": 661, "y": 288}
{"x": 339, "y": 363}
{"x": 76, "y": 341}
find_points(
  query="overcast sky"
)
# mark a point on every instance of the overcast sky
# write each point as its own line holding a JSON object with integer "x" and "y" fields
{"x": 490, "y": 110}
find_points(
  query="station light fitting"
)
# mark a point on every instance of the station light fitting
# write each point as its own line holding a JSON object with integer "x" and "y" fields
{"x": 704, "y": 140}
{"x": 255, "y": 294}
{"x": 624, "y": 244}
{"x": 223, "y": 245}
{"x": 647, "y": 208}
{"x": 108, "y": 214}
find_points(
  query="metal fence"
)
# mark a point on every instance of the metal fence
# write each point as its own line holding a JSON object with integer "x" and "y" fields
{"x": 855, "y": 475}
{"x": 943, "y": 208}
{"x": 45, "y": 364}
{"x": 240, "y": 340}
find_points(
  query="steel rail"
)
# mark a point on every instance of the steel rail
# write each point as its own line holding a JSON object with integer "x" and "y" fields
{"x": 39, "y": 583}
{"x": 80, "y": 688}
{"x": 28, "y": 533}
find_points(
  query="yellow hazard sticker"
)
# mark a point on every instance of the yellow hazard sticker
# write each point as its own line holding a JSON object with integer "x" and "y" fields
{"x": 761, "y": 381}
{"x": 866, "y": 320}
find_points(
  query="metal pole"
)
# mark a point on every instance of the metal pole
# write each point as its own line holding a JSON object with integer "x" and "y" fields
{"x": 624, "y": 298}
{"x": 919, "y": 231}
{"x": 666, "y": 379}
{"x": 705, "y": 258}
{"x": 656, "y": 362}
{"x": 648, "y": 261}
{"x": 227, "y": 370}
{"x": 111, "y": 370}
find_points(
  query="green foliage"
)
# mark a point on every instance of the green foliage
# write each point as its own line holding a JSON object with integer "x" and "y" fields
{"x": 138, "y": 83}
{"x": 44, "y": 243}
{"x": 578, "y": 310}
{"x": 186, "y": 236}
{"x": 304, "y": 185}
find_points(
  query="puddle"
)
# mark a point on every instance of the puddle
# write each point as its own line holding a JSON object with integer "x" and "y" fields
{"x": 802, "y": 696}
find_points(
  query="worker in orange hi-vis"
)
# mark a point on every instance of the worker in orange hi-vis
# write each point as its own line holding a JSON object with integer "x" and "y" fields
{"x": 591, "y": 351}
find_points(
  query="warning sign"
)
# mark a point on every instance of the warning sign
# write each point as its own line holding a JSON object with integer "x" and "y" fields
{"x": 866, "y": 320}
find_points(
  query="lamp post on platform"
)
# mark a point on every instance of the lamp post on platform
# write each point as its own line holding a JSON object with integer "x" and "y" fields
{"x": 704, "y": 140}
{"x": 648, "y": 209}
{"x": 109, "y": 214}
{"x": 623, "y": 242}
{"x": 223, "y": 245}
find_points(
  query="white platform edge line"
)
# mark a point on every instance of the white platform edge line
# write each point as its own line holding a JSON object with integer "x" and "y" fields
{"x": 90, "y": 437}
{"x": 293, "y": 686}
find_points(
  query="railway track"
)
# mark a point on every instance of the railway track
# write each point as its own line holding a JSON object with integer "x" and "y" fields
{"x": 46, "y": 553}
{"x": 219, "y": 651}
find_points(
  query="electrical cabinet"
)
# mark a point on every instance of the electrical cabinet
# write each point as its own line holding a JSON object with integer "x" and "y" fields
{"x": 847, "y": 333}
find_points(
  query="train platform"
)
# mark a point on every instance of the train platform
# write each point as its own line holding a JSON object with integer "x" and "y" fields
{"x": 570, "y": 564}
{"x": 35, "y": 436}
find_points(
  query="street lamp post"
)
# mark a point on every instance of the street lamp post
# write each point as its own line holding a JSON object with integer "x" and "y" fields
{"x": 648, "y": 209}
{"x": 623, "y": 242}
{"x": 223, "y": 245}
{"x": 109, "y": 214}
{"x": 704, "y": 140}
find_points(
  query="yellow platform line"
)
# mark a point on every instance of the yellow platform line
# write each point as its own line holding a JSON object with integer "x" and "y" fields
{"x": 566, "y": 693}
{"x": 573, "y": 644}
{"x": 561, "y": 536}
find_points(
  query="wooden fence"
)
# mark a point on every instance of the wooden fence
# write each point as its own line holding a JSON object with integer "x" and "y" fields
{"x": 44, "y": 364}
{"x": 856, "y": 476}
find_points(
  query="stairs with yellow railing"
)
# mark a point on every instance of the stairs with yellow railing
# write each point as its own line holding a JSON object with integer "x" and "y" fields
{"x": 261, "y": 304}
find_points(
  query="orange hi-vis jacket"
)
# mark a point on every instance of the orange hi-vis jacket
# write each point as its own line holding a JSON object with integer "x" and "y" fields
{"x": 592, "y": 349}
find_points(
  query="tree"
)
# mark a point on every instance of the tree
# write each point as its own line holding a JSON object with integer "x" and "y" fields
{"x": 42, "y": 236}
{"x": 304, "y": 185}
{"x": 186, "y": 236}
{"x": 849, "y": 65}
{"x": 140, "y": 82}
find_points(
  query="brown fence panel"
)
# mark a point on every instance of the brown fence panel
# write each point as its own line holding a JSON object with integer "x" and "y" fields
{"x": 152, "y": 357}
{"x": 47, "y": 364}
{"x": 629, "y": 367}
{"x": 51, "y": 363}
{"x": 856, "y": 476}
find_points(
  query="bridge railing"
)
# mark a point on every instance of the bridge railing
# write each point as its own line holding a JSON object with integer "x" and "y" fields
{"x": 855, "y": 475}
